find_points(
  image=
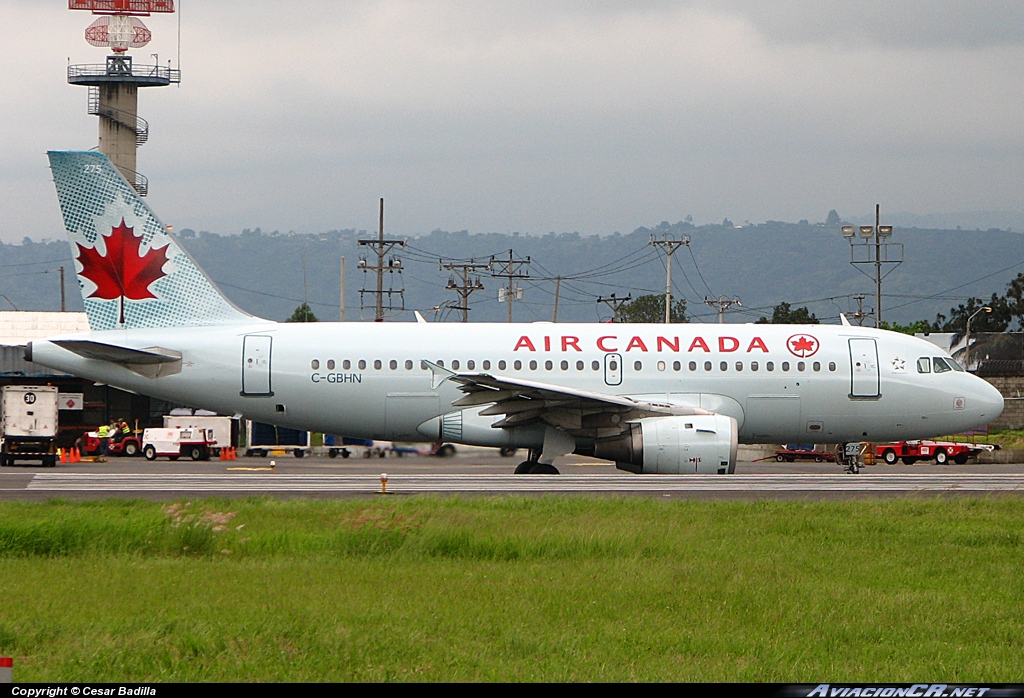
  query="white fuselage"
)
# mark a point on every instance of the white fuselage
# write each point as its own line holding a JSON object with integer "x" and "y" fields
{"x": 782, "y": 383}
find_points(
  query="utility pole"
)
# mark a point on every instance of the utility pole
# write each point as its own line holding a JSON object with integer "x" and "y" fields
{"x": 558, "y": 289}
{"x": 342, "y": 288}
{"x": 860, "y": 314}
{"x": 511, "y": 270}
{"x": 721, "y": 304}
{"x": 63, "y": 301}
{"x": 467, "y": 285}
{"x": 614, "y": 303}
{"x": 381, "y": 248}
{"x": 670, "y": 246}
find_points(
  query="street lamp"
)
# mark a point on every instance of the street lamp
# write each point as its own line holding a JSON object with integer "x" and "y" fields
{"x": 983, "y": 309}
{"x": 874, "y": 240}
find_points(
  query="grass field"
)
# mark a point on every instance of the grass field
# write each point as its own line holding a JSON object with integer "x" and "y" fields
{"x": 514, "y": 589}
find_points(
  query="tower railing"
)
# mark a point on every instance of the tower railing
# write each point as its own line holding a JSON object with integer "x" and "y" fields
{"x": 146, "y": 72}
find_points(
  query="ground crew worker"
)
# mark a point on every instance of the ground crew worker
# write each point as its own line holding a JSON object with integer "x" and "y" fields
{"x": 104, "y": 433}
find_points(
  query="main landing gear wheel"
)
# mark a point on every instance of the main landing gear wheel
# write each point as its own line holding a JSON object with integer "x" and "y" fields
{"x": 525, "y": 467}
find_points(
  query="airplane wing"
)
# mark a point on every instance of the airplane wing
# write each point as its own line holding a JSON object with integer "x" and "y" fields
{"x": 578, "y": 412}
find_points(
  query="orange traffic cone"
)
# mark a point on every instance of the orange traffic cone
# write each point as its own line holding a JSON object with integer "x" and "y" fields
{"x": 76, "y": 456}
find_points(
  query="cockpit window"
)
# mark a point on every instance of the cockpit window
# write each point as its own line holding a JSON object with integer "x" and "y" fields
{"x": 955, "y": 365}
{"x": 924, "y": 365}
{"x": 940, "y": 365}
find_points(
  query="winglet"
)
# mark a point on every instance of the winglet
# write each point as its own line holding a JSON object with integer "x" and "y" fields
{"x": 419, "y": 318}
{"x": 439, "y": 374}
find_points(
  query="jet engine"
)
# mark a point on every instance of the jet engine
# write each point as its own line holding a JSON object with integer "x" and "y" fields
{"x": 674, "y": 445}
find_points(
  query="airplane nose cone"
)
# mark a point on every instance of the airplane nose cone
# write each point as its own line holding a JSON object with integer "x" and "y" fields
{"x": 989, "y": 400}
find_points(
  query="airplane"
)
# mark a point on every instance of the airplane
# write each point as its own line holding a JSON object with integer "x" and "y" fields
{"x": 672, "y": 398}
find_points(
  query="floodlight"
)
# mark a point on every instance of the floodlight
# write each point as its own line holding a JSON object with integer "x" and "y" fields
{"x": 849, "y": 231}
{"x": 867, "y": 231}
{"x": 884, "y": 231}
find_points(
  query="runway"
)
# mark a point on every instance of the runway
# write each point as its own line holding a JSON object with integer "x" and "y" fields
{"x": 270, "y": 483}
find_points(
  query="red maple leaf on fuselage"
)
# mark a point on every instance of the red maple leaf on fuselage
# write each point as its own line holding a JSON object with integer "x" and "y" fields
{"x": 123, "y": 272}
{"x": 803, "y": 345}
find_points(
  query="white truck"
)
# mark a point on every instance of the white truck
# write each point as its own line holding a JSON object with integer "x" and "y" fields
{"x": 29, "y": 424}
{"x": 194, "y": 443}
{"x": 219, "y": 426}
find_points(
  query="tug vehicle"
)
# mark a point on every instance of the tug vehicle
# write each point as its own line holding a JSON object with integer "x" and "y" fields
{"x": 940, "y": 451}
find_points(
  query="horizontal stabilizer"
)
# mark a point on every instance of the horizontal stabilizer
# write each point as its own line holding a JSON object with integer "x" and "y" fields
{"x": 152, "y": 362}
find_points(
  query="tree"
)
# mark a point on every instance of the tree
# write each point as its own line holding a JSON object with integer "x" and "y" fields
{"x": 996, "y": 321}
{"x": 652, "y": 309}
{"x": 784, "y": 314}
{"x": 833, "y": 218}
{"x": 916, "y": 327}
{"x": 303, "y": 314}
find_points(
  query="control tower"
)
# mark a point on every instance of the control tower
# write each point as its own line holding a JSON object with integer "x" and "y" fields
{"x": 114, "y": 85}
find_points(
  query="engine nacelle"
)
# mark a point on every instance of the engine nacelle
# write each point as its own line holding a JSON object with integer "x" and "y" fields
{"x": 674, "y": 445}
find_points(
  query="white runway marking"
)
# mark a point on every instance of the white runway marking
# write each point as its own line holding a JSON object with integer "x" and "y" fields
{"x": 401, "y": 484}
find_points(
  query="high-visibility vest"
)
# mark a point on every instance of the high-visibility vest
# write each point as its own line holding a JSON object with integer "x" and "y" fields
{"x": 104, "y": 431}
{"x": 126, "y": 429}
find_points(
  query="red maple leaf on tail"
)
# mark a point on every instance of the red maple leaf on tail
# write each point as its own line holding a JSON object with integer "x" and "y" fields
{"x": 124, "y": 272}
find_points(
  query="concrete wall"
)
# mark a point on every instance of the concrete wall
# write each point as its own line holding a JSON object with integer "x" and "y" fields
{"x": 1012, "y": 390}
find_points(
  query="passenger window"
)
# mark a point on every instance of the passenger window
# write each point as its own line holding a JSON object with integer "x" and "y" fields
{"x": 785, "y": 365}
{"x": 831, "y": 365}
{"x": 393, "y": 364}
{"x": 314, "y": 364}
{"x": 637, "y": 366}
{"x": 533, "y": 365}
{"x": 548, "y": 365}
{"x": 564, "y": 365}
{"x": 455, "y": 365}
{"x": 816, "y": 366}
{"x": 940, "y": 365}
{"x": 377, "y": 364}
{"x": 739, "y": 365}
{"x": 346, "y": 364}
{"x": 661, "y": 365}
{"x": 362, "y": 364}
{"x": 440, "y": 362}
{"x": 800, "y": 366}
{"x": 487, "y": 365}
{"x": 770, "y": 366}
{"x": 470, "y": 365}
{"x": 724, "y": 366}
{"x": 693, "y": 365}
{"x": 596, "y": 366}
{"x": 502, "y": 365}
{"x": 677, "y": 366}
{"x": 330, "y": 364}
{"x": 613, "y": 365}
{"x": 707, "y": 365}
{"x": 408, "y": 364}
{"x": 753, "y": 365}
{"x": 580, "y": 365}
{"x": 518, "y": 365}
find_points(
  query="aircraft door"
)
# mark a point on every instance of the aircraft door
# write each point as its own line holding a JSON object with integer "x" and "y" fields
{"x": 864, "y": 380}
{"x": 256, "y": 365}
{"x": 613, "y": 369}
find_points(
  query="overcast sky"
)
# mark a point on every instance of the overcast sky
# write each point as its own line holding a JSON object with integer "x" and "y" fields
{"x": 590, "y": 116}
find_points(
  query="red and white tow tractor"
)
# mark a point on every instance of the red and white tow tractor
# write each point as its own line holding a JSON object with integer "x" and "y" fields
{"x": 940, "y": 451}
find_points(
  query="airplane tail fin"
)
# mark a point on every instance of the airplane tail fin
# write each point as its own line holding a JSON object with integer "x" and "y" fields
{"x": 131, "y": 272}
